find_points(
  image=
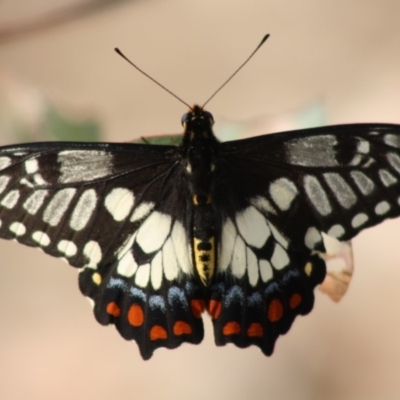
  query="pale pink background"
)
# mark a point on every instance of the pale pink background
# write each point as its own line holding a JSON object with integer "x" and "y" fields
{"x": 344, "y": 52}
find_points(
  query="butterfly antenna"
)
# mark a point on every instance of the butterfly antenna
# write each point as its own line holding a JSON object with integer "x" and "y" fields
{"x": 148, "y": 76}
{"x": 264, "y": 39}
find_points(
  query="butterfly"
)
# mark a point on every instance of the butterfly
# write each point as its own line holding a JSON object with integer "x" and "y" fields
{"x": 163, "y": 234}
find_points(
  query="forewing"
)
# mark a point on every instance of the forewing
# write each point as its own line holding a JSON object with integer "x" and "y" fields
{"x": 119, "y": 214}
{"x": 338, "y": 179}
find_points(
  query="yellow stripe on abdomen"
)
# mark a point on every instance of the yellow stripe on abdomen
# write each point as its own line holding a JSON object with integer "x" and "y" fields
{"x": 204, "y": 258}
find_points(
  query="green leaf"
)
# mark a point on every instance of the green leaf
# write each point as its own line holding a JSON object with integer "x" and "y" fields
{"x": 63, "y": 128}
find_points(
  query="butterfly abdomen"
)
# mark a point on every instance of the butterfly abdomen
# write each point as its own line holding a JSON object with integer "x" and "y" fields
{"x": 203, "y": 242}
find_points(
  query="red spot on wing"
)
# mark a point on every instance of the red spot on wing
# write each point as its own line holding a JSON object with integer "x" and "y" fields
{"x": 295, "y": 300}
{"x": 214, "y": 308}
{"x": 197, "y": 306}
{"x": 113, "y": 309}
{"x": 157, "y": 332}
{"x": 231, "y": 328}
{"x": 135, "y": 315}
{"x": 275, "y": 310}
{"x": 255, "y": 330}
{"x": 182, "y": 328}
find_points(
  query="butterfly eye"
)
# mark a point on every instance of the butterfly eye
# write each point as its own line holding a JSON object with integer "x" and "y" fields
{"x": 185, "y": 119}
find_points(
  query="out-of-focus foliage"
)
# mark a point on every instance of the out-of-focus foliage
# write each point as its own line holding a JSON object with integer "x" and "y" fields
{"x": 26, "y": 115}
{"x": 306, "y": 117}
{"x": 60, "y": 127}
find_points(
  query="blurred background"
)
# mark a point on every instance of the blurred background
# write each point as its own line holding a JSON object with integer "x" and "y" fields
{"x": 325, "y": 63}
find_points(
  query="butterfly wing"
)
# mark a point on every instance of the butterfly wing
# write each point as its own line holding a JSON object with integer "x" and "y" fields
{"x": 119, "y": 214}
{"x": 277, "y": 194}
{"x": 341, "y": 178}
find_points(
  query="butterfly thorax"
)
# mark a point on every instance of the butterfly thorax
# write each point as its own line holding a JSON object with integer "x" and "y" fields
{"x": 199, "y": 155}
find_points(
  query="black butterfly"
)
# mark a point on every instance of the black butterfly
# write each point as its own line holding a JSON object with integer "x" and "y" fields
{"x": 162, "y": 233}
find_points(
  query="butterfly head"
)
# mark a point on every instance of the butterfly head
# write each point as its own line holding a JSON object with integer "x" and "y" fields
{"x": 197, "y": 120}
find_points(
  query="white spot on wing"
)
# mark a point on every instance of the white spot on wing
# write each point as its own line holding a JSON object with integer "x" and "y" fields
{"x": 38, "y": 179}
{"x": 278, "y": 236}
{"x": 392, "y": 140}
{"x": 4, "y": 182}
{"x": 11, "y": 199}
{"x": 313, "y": 238}
{"x": 57, "y": 206}
{"x": 239, "y": 258}
{"x": 142, "y": 275}
{"x": 357, "y": 159}
{"x": 336, "y": 231}
{"x": 170, "y": 262}
{"x": 283, "y": 192}
{"x": 387, "y": 178}
{"x": 253, "y": 227}
{"x": 33, "y": 203}
{"x": 317, "y": 195}
{"x": 359, "y": 220}
{"x": 4, "y": 162}
{"x": 119, "y": 203}
{"x": 153, "y": 232}
{"x": 92, "y": 251}
{"x": 83, "y": 210}
{"x": 266, "y": 272}
{"x": 394, "y": 160}
{"x": 364, "y": 184}
{"x": 156, "y": 271}
{"x": 31, "y": 166}
{"x": 252, "y": 267}
{"x": 363, "y": 146}
{"x": 312, "y": 151}
{"x": 279, "y": 258}
{"x": 26, "y": 182}
{"x": 126, "y": 246}
{"x": 342, "y": 191}
{"x": 67, "y": 247}
{"x": 17, "y": 228}
{"x": 263, "y": 205}
{"x": 127, "y": 266}
{"x": 84, "y": 165}
{"x": 41, "y": 238}
{"x": 382, "y": 208}
{"x": 141, "y": 211}
{"x": 228, "y": 239}
{"x": 182, "y": 248}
